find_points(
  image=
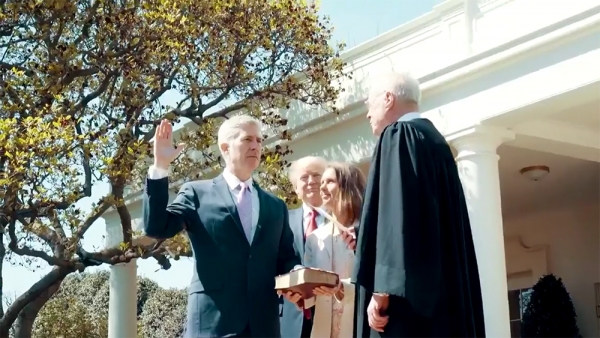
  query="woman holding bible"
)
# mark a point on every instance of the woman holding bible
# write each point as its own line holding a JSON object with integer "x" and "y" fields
{"x": 342, "y": 188}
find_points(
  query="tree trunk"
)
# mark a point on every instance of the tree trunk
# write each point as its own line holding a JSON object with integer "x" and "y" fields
{"x": 2, "y": 254}
{"x": 40, "y": 289}
{"x": 24, "y": 324}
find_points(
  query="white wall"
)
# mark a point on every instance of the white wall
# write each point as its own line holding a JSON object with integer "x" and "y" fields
{"x": 571, "y": 237}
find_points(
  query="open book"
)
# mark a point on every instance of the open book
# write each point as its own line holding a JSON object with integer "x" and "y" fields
{"x": 305, "y": 280}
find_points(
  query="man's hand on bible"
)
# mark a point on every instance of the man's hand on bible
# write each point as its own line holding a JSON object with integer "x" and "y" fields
{"x": 327, "y": 291}
{"x": 164, "y": 150}
{"x": 292, "y": 297}
{"x": 349, "y": 238}
{"x": 376, "y": 310}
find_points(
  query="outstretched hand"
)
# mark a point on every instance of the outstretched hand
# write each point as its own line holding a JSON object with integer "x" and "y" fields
{"x": 164, "y": 150}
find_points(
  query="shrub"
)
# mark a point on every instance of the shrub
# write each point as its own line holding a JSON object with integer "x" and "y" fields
{"x": 550, "y": 311}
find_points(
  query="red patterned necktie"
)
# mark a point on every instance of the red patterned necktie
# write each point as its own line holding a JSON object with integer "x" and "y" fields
{"x": 310, "y": 227}
{"x": 312, "y": 223}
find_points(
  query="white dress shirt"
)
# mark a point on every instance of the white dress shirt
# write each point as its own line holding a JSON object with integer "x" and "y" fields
{"x": 409, "y": 116}
{"x": 233, "y": 183}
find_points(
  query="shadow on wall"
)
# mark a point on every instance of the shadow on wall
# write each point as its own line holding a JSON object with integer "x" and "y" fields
{"x": 300, "y": 114}
{"x": 349, "y": 140}
{"x": 353, "y": 150}
{"x": 345, "y": 136}
{"x": 356, "y": 90}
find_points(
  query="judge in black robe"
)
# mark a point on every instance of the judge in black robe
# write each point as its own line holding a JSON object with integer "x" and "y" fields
{"x": 414, "y": 242}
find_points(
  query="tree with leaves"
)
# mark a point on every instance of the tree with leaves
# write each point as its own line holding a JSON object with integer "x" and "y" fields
{"x": 83, "y": 84}
{"x": 80, "y": 309}
{"x": 549, "y": 311}
{"x": 164, "y": 314}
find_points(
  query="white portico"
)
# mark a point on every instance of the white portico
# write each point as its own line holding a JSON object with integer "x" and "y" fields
{"x": 510, "y": 83}
{"x": 506, "y": 97}
{"x": 477, "y": 162}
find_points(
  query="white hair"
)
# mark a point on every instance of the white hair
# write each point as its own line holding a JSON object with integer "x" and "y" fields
{"x": 401, "y": 85}
{"x": 302, "y": 163}
{"x": 230, "y": 129}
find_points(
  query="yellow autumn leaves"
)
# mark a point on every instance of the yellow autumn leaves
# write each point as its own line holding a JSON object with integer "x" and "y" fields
{"x": 83, "y": 83}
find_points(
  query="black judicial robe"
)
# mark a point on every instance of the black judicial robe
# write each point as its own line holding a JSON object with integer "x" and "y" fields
{"x": 414, "y": 223}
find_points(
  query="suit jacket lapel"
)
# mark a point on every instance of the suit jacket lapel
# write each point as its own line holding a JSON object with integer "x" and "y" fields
{"x": 223, "y": 191}
{"x": 297, "y": 224}
{"x": 328, "y": 239}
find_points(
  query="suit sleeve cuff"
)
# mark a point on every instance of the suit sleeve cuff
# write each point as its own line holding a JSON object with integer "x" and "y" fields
{"x": 310, "y": 302}
{"x": 155, "y": 173}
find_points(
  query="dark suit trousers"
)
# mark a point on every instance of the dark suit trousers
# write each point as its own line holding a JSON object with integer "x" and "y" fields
{"x": 307, "y": 324}
{"x": 246, "y": 333}
{"x": 306, "y": 328}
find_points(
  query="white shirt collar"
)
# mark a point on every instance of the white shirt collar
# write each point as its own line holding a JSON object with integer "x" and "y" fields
{"x": 409, "y": 116}
{"x": 233, "y": 182}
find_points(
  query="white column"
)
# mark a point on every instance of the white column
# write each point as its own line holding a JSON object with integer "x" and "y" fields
{"x": 122, "y": 305}
{"x": 477, "y": 162}
{"x": 471, "y": 8}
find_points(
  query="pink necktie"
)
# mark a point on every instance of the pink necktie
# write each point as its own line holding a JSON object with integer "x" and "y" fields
{"x": 244, "y": 208}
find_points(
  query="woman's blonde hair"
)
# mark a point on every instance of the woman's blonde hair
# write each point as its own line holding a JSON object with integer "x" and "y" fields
{"x": 351, "y": 189}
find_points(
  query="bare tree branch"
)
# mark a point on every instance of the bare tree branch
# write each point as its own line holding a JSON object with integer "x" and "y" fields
{"x": 56, "y": 275}
{"x": 92, "y": 217}
{"x": 13, "y": 245}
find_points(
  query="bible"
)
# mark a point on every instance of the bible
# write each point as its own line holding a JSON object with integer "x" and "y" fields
{"x": 304, "y": 280}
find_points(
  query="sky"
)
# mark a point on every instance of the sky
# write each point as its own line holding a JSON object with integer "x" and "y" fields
{"x": 354, "y": 21}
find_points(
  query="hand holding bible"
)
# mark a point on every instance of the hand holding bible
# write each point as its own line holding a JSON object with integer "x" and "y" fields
{"x": 291, "y": 296}
{"x": 304, "y": 280}
{"x": 327, "y": 290}
{"x": 164, "y": 150}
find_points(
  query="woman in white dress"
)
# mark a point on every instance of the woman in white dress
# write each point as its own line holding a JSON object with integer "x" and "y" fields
{"x": 342, "y": 188}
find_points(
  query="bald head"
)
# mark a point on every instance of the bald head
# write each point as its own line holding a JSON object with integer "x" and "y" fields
{"x": 391, "y": 96}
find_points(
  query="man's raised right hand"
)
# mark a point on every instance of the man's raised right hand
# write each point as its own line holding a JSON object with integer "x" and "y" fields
{"x": 164, "y": 150}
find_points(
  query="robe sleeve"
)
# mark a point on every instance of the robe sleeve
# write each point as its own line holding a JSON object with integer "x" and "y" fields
{"x": 395, "y": 249}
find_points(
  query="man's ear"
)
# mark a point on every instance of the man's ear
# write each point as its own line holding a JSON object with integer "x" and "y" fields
{"x": 224, "y": 147}
{"x": 390, "y": 99}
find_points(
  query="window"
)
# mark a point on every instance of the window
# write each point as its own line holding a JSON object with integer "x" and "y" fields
{"x": 517, "y": 300}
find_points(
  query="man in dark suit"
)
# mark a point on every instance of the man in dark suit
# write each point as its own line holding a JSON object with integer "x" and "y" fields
{"x": 239, "y": 235}
{"x": 305, "y": 176}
